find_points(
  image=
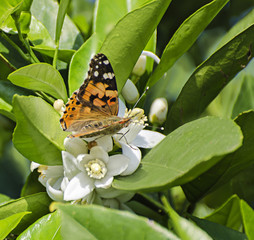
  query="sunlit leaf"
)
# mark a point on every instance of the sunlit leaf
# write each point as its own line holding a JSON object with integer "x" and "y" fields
{"x": 38, "y": 135}
{"x": 184, "y": 154}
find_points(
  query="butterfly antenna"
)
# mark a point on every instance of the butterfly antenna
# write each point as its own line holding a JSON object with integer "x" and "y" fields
{"x": 140, "y": 97}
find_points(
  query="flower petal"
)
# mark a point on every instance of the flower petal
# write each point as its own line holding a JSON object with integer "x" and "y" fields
{"x": 70, "y": 165}
{"x": 117, "y": 164}
{"x": 105, "y": 142}
{"x": 75, "y": 146}
{"x": 47, "y": 172}
{"x": 79, "y": 186}
{"x": 128, "y": 134}
{"x": 134, "y": 155}
{"x": 104, "y": 182}
{"x": 147, "y": 139}
{"x": 53, "y": 189}
{"x": 33, "y": 166}
{"x": 121, "y": 108}
{"x": 99, "y": 153}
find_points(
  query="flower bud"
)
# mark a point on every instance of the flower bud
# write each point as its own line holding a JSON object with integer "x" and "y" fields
{"x": 130, "y": 92}
{"x": 158, "y": 111}
{"x": 140, "y": 66}
{"x": 59, "y": 105}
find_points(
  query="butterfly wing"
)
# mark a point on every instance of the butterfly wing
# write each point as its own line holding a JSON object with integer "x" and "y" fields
{"x": 95, "y": 101}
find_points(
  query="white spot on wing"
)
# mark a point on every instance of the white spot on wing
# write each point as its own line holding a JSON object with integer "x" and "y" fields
{"x": 106, "y": 62}
{"x": 96, "y": 74}
{"x": 105, "y": 76}
{"x": 96, "y": 66}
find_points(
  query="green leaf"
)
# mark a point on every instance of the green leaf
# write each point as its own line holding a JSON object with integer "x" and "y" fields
{"x": 80, "y": 62}
{"x": 4, "y": 199}
{"x": 241, "y": 25}
{"x": 130, "y": 36}
{"x": 185, "y": 36}
{"x": 38, "y": 135}
{"x": 245, "y": 99}
{"x": 184, "y": 154}
{"x": 40, "y": 77}
{"x": 217, "y": 231}
{"x": 63, "y": 54}
{"x": 228, "y": 215}
{"x": 9, "y": 223}
{"x": 210, "y": 78}
{"x": 70, "y": 36}
{"x": 47, "y": 227}
{"x": 37, "y": 204}
{"x": 7, "y": 91}
{"x": 228, "y": 167}
{"x": 7, "y": 7}
{"x": 24, "y": 21}
{"x": 60, "y": 18}
{"x": 185, "y": 229}
{"x": 248, "y": 219}
{"x": 97, "y": 222}
{"x": 32, "y": 185}
{"x": 39, "y": 34}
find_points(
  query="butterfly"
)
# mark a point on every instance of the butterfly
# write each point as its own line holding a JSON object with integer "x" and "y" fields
{"x": 92, "y": 110}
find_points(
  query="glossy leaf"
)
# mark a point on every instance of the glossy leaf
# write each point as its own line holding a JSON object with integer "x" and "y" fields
{"x": 9, "y": 223}
{"x": 39, "y": 35}
{"x": 218, "y": 231}
{"x": 184, "y": 154}
{"x": 70, "y": 36}
{"x": 48, "y": 227}
{"x": 4, "y": 199}
{"x": 93, "y": 222}
{"x": 240, "y": 26}
{"x": 248, "y": 219}
{"x": 185, "y": 229}
{"x": 228, "y": 214}
{"x": 60, "y": 18}
{"x": 37, "y": 204}
{"x": 40, "y": 77}
{"x": 210, "y": 78}
{"x": 7, "y": 8}
{"x": 38, "y": 135}
{"x": 185, "y": 36}
{"x": 228, "y": 167}
{"x": 80, "y": 62}
{"x": 130, "y": 36}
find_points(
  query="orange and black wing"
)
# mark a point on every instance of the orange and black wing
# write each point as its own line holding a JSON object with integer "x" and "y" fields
{"x": 96, "y": 99}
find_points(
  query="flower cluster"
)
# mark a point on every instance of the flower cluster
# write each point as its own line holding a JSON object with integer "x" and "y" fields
{"x": 90, "y": 165}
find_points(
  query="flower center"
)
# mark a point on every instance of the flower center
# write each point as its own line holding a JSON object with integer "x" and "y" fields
{"x": 96, "y": 169}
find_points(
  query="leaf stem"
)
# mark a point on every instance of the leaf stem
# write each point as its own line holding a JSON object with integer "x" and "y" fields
{"x": 166, "y": 204}
{"x": 157, "y": 204}
{"x": 33, "y": 58}
{"x": 45, "y": 96}
{"x": 55, "y": 55}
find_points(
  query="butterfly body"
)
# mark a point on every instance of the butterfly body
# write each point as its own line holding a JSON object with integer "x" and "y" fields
{"x": 92, "y": 110}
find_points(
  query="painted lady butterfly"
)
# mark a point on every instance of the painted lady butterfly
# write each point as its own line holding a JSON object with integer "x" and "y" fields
{"x": 92, "y": 109}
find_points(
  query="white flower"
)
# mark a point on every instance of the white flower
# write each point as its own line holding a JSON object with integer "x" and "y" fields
{"x": 90, "y": 171}
{"x": 158, "y": 111}
{"x": 52, "y": 177}
{"x": 134, "y": 136}
{"x": 130, "y": 92}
